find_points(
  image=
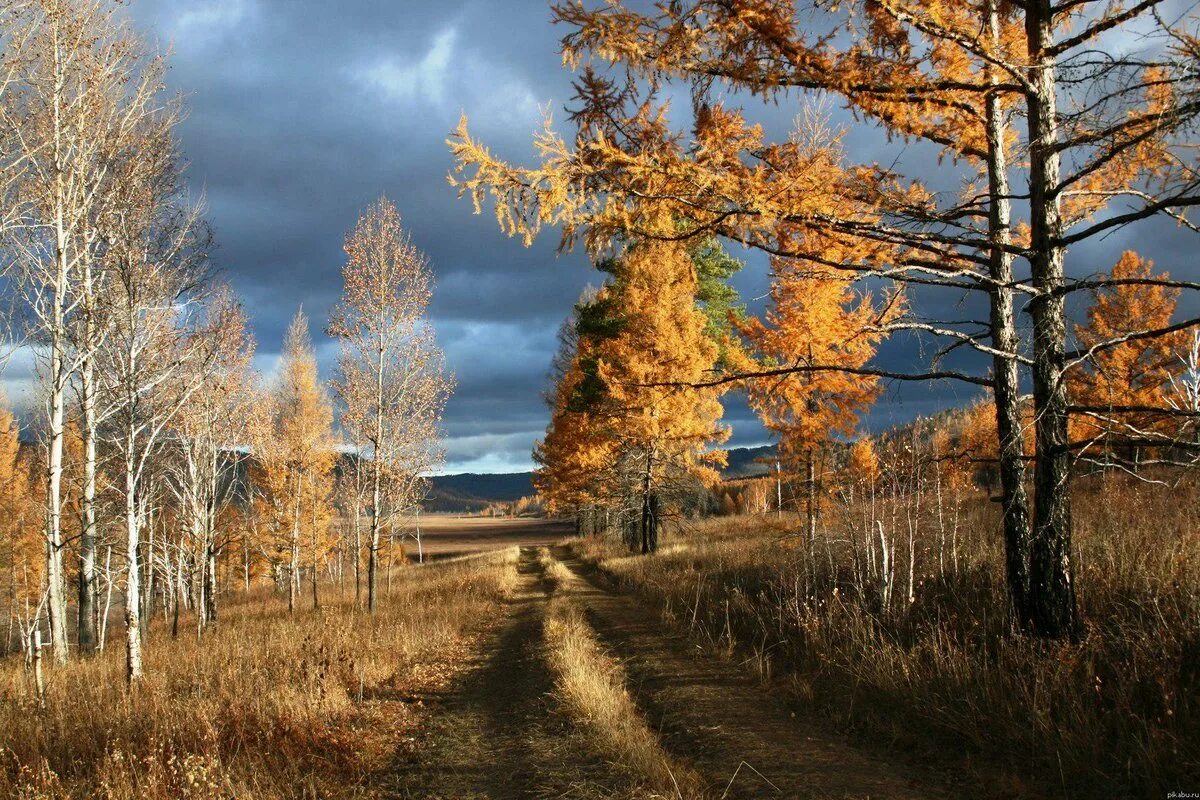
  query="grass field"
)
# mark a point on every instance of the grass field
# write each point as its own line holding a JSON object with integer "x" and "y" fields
{"x": 446, "y": 535}
{"x": 513, "y": 667}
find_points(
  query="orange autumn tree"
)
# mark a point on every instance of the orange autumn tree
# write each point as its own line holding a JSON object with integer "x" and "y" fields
{"x": 21, "y": 544}
{"x": 295, "y": 451}
{"x": 958, "y": 75}
{"x": 815, "y": 317}
{"x": 1122, "y": 390}
{"x": 665, "y": 428}
{"x": 576, "y": 454}
{"x": 629, "y": 433}
{"x": 977, "y": 454}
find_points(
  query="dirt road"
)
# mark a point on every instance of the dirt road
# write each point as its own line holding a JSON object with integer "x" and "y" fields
{"x": 497, "y": 732}
{"x": 720, "y": 719}
{"x": 494, "y": 733}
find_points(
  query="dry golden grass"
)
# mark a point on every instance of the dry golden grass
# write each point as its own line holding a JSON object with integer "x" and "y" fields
{"x": 267, "y": 706}
{"x": 591, "y": 686}
{"x": 1114, "y": 714}
{"x": 555, "y": 572}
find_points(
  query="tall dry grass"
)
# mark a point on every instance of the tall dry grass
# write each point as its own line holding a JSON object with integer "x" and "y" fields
{"x": 266, "y": 706}
{"x": 1116, "y": 714}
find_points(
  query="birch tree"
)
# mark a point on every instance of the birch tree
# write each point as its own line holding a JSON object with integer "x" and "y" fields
{"x": 164, "y": 324}
{"x": 81, "y": 87}
{"x": 203, "y": 458}
{"x": 392, "y": 380}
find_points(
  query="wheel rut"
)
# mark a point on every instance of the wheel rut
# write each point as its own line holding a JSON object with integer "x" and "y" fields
{"x": 493, "y": 732}
{"x": 712, "y": 714}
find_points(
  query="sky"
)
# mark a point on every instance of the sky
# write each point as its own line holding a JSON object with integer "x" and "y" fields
{"x": 303, "y": 112}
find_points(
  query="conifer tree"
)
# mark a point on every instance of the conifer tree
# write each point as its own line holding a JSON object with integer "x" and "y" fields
{"x": 815, "y": 316}
{"x": 665, "y": 433}
{"x": 1122, "y": 391}
{"x": 951, "y": 74}
{"x": 296, "y": 454}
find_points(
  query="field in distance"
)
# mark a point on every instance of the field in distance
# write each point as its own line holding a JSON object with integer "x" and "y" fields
{"x": 448, "y": 535}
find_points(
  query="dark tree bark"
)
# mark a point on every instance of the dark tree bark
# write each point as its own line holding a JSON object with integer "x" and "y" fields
{"x": 1051, "y": 587}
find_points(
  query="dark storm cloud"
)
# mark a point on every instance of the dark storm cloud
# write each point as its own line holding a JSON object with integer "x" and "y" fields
{"x": 305, "y": 111}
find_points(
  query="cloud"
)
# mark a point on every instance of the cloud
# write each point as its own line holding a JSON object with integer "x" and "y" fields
{"x": 203, "y": 20}
{"x": 401, "y": 81}
{"x": 491, "y": 452}
{"x": 448, "y": 79}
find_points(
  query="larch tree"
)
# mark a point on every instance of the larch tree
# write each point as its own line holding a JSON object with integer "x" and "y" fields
{"x": 296, "y": 450}
{"x": 577, "y": 454}
{"x": 1133, "y": 374}
{"x": 923, "y": 72}
{"x": 22, "y": 550}
{"x": 951, "y": 74}
{"x": 623, "y": 436}
{"x": 815, "y": 316}
{"x": 665, "y": 435}
{"x": 392, "y": 378}
{"x": 1107, "y": 146}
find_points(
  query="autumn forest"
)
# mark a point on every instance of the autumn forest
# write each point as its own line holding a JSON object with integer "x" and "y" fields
{"x": 871, "y": 450}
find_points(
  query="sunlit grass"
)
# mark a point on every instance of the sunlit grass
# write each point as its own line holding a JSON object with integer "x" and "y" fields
{"x": 266, "y": 706}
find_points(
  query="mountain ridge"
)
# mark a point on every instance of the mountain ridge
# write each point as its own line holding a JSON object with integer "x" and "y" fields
{"x": 475, "y": 491}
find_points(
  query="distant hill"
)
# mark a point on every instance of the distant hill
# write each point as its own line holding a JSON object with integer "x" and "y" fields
{"x": 745, "y": 462}
{"x": 468, "y": 491}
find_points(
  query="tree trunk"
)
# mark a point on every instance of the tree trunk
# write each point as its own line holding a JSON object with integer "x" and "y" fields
{"x": 87, "y": 538}
{"x": 294, "y": 567}
{"x": 811, "y": 505}
{"x": 376, "y": 473}
{"x": 148, "y": 589}
{"x": 1051, "y": 587}
{"x": 647, "y": 515}
{"x": 210, "y": 583}
{"x": 133, "y": 627}
{"x": 55, "y": 591}
{"x": 294, "y": 572}
{"x": 316, "y": 600}
{"x": 1014, "y": 501}
{"x": 778, "y": 490}
{"x": 357, "y": 553}
{"x": 372, "y": 559}
{"x": 56, "y": 604}
{"x": 176, "y": 590}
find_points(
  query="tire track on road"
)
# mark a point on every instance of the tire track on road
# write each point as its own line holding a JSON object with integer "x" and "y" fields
{"x": 721, "y": 720}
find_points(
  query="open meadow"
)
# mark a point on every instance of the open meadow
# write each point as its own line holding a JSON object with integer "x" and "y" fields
{"x": 448, "y": 535}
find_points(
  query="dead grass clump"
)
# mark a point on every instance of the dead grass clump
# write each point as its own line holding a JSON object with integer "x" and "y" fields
{"x": 266, "y": 706}
{"x": 554, "y": 572}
